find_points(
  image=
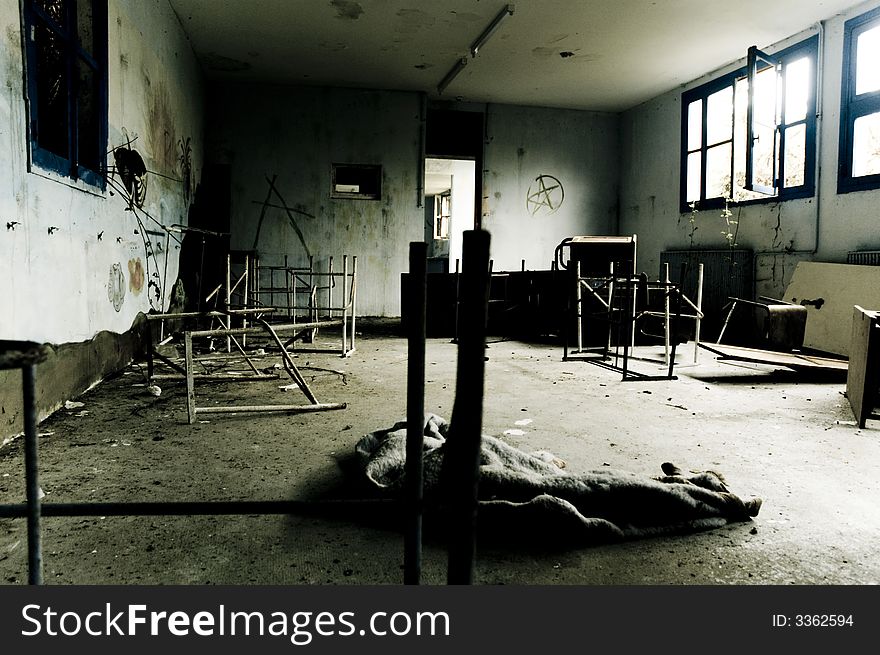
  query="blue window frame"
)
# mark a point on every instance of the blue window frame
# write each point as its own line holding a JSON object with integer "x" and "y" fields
{"x": 716, "y": 120}
{"x": 859, "y": 155}
{"x": 66, "y": 49}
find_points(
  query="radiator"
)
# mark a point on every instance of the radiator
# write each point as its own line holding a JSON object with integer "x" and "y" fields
{"x": 863, "y": 257}
{"x": 726, "y": 273}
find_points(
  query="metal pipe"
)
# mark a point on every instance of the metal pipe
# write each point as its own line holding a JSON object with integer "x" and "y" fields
{"x": 192, "y": 508}
{"x": 344, "y": 302}
{"x": 32, "y": 481}
{"x": 699, "y": 315}
{"x": 416, "y": 315}
{"x": 316, "y": 407}
{"x": 462, "y": 458}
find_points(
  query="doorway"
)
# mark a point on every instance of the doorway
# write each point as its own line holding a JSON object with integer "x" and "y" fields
{"x": 449, "y": 209}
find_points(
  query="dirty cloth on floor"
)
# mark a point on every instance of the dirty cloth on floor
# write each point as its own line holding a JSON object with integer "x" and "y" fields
{"x": 531, "y": 489}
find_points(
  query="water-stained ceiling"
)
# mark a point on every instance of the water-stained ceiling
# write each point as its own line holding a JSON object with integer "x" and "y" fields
{"x": 605, "y": 55}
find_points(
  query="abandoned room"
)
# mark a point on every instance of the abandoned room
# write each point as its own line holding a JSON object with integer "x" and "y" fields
{"x": 355, "y": 292}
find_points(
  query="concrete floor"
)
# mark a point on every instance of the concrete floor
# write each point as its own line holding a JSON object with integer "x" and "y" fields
{"x": 772, "y": 433}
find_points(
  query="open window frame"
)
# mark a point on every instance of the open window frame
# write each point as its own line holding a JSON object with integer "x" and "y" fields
{"x": 697, "y": 143}
{"x": 67, "y": 125}
{"x": 855, "y": 106}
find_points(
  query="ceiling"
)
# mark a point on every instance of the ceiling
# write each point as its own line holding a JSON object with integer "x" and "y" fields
{"x": 604, "y": 55}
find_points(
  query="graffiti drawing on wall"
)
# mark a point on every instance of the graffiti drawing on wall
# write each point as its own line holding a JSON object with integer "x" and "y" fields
{"x": 545, "y": 195}
{"x": 290, "y": 211}
{"x": 132, "y": 171}
{"x": 185, "y": 161}
{"x": 116, "y": 286}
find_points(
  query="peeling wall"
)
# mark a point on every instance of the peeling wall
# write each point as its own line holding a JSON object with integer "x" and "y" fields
{"x": 294, "y": 134}
{"x": 550, "y": 174}
{"x": 781, "y": 234}
{"x": 75, "y": 270}
{"x": 76, "y": 263}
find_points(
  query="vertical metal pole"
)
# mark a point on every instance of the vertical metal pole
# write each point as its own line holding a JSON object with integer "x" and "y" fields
{"x": 190, "y": 382}
{"x": 344, "y": 302}
{"x": 287, "y": 284}
{"x": 415, "y": 409}
{"x": 228, "y": 298}
{"x": 578, "y": 299}
{"x": 457, "y": 298}
{"x": 666, "y": 310}
{"x": 32, "y": 482}
{"x": 311, "y": 313}
{"x": 330, "y": 283}
{"x": 612, "y": 278}
{"x": 674, "y": 327}
{"x": 628, "y": 301}
{"x": 699, "y": 311}
{"x": 247, "y": 283}
{"x": 461, "y": 463}
{"x": 354, "y": 296}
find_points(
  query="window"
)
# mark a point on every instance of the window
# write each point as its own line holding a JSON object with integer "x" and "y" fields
{"x": 67, "y": 86}
{"x": 859, "y": 160}
{"x": 362, "y": 181}
{"x": 716, "y": 120}
{"x": 442, "y": 213}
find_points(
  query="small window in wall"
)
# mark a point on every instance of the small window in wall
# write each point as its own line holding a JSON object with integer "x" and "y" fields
{"x": 442, "y": 213}
{"x": 718, "y": 117}
{"x": 66, "y": 50}
{"x": 363, "y": 181}
{"x": 859, "y": 161}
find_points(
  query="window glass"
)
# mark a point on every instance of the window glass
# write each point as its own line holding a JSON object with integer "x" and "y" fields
{"x": 694, "y": 175}
{"x": 795, "y": 147}
{"x": 695, "y": 125}
{"x": 719, "y": 116}
{"x": 718, "y": 171}
{"x": 868, "y": 61}
{"x": 52, "y": 92}
{"x": 866, "y": 145}
{"x": 797, "y": 89}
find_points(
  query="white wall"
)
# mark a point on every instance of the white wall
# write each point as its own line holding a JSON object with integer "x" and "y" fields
{"x": 578, "y": 148}
{"x": 54, "y": 287}
{"x": 650, "y": 163}
{"x": 461, "y": 205}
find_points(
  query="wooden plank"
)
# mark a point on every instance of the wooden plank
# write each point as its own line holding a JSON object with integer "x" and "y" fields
{"x": 862, "y": 378}
{"x": 795, "y": 361}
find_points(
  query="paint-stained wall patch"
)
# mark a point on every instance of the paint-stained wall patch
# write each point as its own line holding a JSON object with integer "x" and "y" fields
{"x": 135, "y": 276}
{"x": 116, "y": 286}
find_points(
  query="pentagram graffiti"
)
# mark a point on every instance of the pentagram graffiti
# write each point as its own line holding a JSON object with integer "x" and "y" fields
{"x": 545, "y": 195}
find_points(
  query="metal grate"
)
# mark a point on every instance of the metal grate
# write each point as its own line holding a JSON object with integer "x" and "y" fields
{"x": 863, "y": 257}
{"x": 726, "y": 273}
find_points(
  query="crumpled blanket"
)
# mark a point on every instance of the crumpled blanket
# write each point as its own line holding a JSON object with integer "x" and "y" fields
{"x": 532, "y": 489}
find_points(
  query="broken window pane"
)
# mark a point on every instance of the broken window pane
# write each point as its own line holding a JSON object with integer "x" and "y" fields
{"x": 866, "y": 145}
{"x": 55, "y": 9}
{"x": 719, "y": 116}
{"x": 52, "y": 92}
{"x": 867, "y": 58}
